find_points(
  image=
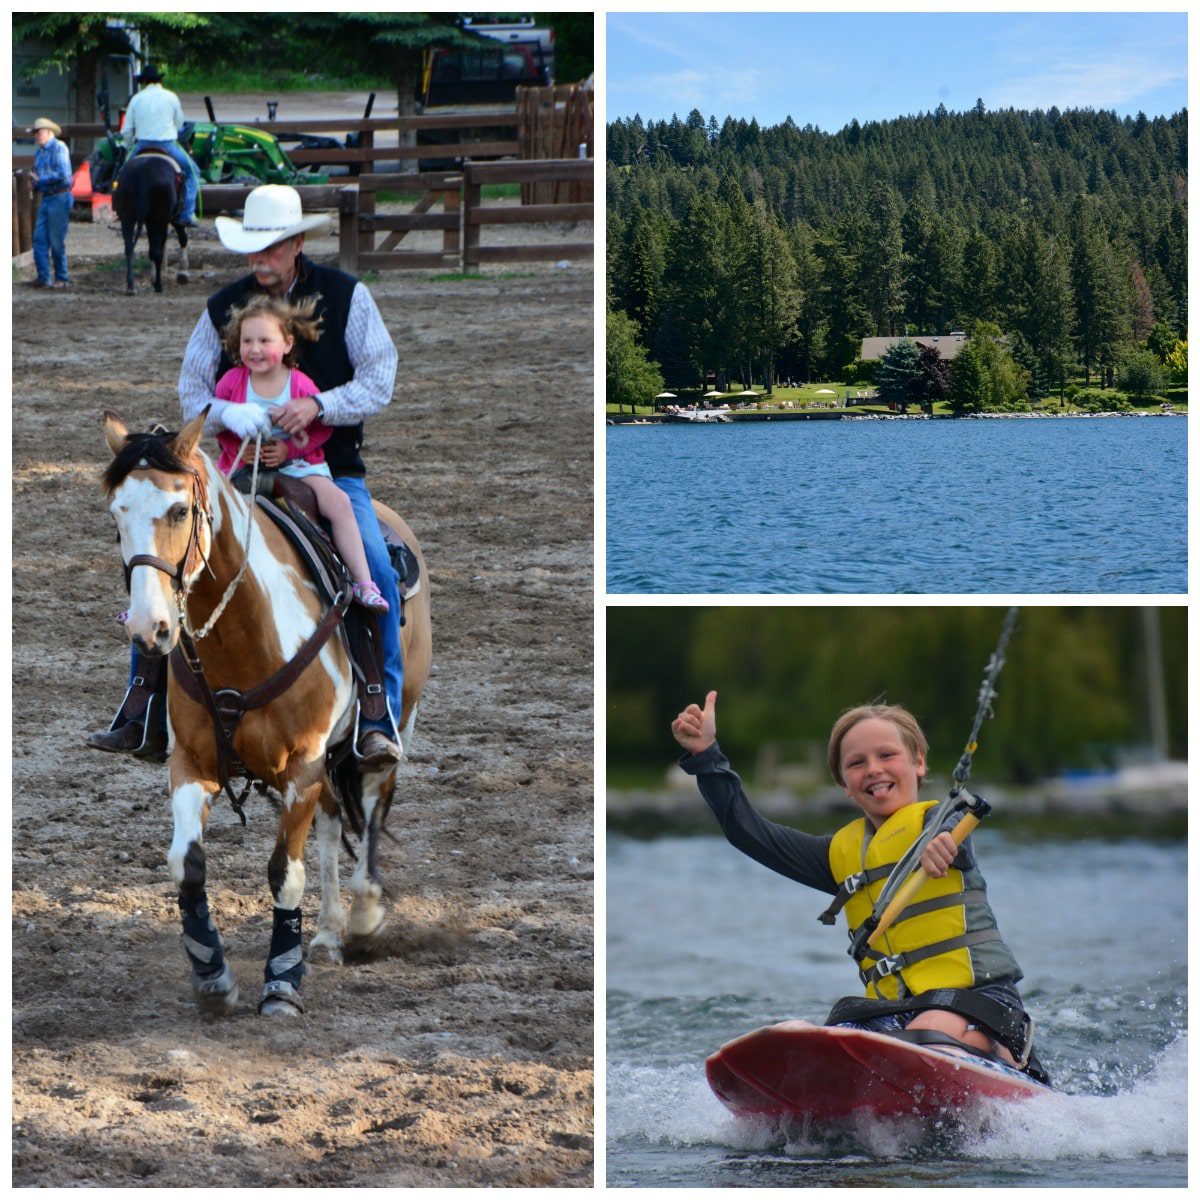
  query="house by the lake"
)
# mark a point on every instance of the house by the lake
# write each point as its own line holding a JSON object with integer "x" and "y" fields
{"x": 946, "y": 344}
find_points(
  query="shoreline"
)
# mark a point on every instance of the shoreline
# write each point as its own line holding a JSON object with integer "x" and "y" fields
{"x": 834, "y": 415}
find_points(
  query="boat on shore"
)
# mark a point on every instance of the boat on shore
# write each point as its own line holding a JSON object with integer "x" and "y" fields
{"x": 698, "y": 416}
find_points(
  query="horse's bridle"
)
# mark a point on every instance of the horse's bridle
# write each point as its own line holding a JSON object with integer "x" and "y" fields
{"x": 178, "y": 573}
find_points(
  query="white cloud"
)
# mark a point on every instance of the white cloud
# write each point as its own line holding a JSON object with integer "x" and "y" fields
{"x": 1099, "y": 83}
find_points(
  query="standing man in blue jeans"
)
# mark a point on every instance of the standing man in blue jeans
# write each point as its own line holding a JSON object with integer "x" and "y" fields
{"x": 152, "y": 122}
{"x": 353, "y": 362}
{"x": 52, "y": 182}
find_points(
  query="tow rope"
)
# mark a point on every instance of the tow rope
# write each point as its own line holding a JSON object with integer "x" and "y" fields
{"x": 902, "y": 884}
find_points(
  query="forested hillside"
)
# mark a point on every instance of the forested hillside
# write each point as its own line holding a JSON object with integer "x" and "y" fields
{"x": 1073, "y": 686}
{"x": 773, "y": 251}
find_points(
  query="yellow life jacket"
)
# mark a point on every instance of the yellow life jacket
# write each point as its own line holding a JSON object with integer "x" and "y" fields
{"x": 945, "y": 938}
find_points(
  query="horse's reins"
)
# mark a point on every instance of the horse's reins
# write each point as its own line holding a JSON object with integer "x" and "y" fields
{"x": 236, "y": 704}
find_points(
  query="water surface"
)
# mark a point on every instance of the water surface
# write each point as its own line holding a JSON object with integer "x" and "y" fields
{"x": 882, "y": 506}
{"x": 703, "y": 945}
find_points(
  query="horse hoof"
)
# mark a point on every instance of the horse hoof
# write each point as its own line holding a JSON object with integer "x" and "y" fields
{"x": 325, "y": 948}
{"x": 129, "y": 291}
{"x": 181, "y": 277}
{"x": 280, "y": 999}
{"x": 277, "y": 1008}
{"x": 365, "y": 938}
{"x": 218, "y": 996}
{"x": 367, "y": 916}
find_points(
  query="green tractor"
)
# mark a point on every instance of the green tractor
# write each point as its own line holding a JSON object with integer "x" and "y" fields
{"x": 230, "y": 154}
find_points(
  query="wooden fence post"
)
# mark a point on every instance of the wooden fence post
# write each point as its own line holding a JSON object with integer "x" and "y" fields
{"x": 348, "y": 229}
{"x": 16, "y": 220}
{"x": 472, "y": 194}
{"x": 451, "y": 237}
{"x": 26, "y": 209}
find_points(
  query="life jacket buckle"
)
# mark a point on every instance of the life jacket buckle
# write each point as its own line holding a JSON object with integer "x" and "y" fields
{"x": 888, "y": 966}
{"x": 854, "y": 883}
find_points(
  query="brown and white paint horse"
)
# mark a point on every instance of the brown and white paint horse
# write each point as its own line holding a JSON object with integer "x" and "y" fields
{"x": 188, "y": 532}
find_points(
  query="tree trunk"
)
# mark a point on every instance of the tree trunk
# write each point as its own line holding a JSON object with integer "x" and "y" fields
{"x": 87, "y": 84}
{"x": 407, "y": 77}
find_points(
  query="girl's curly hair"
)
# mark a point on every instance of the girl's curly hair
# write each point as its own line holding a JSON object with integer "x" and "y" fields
{"x": 296, "y": 319}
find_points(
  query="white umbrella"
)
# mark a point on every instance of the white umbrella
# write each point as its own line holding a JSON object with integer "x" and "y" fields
{"x": 748, "y": 392}
{"x": 826, "y": 392}
{"x": 666, "y": 396}
{"x": 712, "y": 395}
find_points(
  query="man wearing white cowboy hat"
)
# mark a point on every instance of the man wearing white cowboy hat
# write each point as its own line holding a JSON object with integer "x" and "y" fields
{"x": 152, "y": 122}
{"x": 353, "y": 363}
{"x": 52, "y": 181}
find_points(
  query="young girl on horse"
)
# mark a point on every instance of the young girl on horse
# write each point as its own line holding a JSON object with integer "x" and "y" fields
{"x": 261, "y": 338}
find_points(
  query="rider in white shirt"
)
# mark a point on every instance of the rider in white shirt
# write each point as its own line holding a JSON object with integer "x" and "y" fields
{"x": 152, "y": 121}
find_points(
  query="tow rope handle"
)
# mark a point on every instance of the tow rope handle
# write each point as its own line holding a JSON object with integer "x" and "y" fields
{"x": 977, "y": 810}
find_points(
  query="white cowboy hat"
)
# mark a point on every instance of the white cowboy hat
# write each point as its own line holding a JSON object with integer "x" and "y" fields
{"x": 272, "y": 213}
{"x": 44, "y": 123}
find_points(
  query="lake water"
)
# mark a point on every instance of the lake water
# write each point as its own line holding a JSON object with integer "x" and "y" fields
{"x": 704, "y": 945}
{"x": 882, "y": 506}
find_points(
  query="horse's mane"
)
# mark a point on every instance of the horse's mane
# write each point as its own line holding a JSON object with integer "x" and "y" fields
{"x": 141, "y": 451}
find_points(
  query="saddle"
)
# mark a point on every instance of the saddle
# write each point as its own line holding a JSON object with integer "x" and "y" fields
{"x": 291, "y": 505}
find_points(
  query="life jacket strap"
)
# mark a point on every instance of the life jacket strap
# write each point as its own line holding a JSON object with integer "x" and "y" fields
{"x": 850, "y": 885}
{"x": 951, "y": 900}
{"x": 894, "y": 963}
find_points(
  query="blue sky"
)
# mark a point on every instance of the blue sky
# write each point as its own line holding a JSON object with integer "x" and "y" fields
{"x": 826, "y": 68}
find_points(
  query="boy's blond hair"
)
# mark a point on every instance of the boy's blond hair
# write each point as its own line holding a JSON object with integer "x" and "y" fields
{"x": 297, "y": 320}
{"x": 906, "y": 724}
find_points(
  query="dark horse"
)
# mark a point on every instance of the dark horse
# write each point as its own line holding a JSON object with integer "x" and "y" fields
{"x": 144, "y": 196}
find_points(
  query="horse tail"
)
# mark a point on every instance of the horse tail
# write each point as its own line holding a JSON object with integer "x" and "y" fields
{"x": 141, "y": 207}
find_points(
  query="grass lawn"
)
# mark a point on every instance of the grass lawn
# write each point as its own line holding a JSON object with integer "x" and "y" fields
{"x": 816, "y": 397}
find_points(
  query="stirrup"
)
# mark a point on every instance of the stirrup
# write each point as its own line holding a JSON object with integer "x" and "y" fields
{"x": 359, "y": 731}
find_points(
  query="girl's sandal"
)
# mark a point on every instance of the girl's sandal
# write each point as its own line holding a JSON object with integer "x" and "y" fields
{"x": 368, "y": 595}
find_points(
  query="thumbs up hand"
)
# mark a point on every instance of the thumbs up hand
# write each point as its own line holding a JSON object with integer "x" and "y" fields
{"x": 695, "y": 728}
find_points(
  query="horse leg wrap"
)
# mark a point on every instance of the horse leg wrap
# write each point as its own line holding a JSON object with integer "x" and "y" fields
{"x": 200, "y": 938}
{"x": 285, "y": 962}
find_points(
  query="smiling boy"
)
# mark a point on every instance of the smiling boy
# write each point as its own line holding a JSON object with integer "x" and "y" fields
{"x": 945, "y": 947}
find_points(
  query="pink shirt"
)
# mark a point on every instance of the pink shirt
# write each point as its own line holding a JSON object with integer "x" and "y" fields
{"x": 232, "y": 387}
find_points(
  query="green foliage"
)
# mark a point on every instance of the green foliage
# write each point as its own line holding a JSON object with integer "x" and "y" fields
{"x": 74, "y": 35}
{"x": 1140, "y": 374}
{"x": 1073, "y": 679}
{"x": 630, "y": 378}
{"x": 1161, "y": 340}
{"x": 1067, "y": 227}
{"x": 899, "y": 373}
{"x": 984, "y": 377}
{"x": 1177, "y": 361}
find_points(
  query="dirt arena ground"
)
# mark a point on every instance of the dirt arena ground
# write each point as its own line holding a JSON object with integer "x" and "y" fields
{"x": 463, "y": 1057}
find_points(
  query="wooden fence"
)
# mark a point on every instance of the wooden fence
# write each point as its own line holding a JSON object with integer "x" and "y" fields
{"x": 555, "y": 122}
{"x": 558, "y": 188}
{"x": 23, "y": 210}
{"x": 453, "y": 203}
{"x": 477, "y": 215}
{"x": 359, "y": 223}
{"x": 366, "y": 154}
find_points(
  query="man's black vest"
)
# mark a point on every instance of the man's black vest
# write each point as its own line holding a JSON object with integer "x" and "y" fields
{"x": 325, "y": 361}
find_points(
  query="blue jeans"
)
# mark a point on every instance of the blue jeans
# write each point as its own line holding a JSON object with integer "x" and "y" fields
{"x": 50, "y": 236}
{"x": 191, "y": 172}
{"x": 384, "y": 575}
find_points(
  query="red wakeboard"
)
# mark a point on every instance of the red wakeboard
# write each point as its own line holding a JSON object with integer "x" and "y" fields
{"x": 833, "y": 1076}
